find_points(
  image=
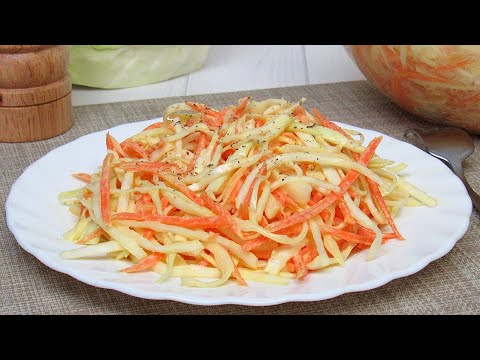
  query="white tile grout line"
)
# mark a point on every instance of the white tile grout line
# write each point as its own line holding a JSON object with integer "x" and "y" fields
{"x": 186, "y": 84}
{"x": 307, "y": 77}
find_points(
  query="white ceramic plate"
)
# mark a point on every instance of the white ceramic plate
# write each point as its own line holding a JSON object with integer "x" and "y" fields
{"x": 38, "y": 221}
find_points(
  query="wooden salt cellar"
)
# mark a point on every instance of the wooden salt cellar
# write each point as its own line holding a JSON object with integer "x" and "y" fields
{"x": 35, "y": 92}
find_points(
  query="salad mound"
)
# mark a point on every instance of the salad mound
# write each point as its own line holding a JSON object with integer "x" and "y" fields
{"x": 258, "y": 191}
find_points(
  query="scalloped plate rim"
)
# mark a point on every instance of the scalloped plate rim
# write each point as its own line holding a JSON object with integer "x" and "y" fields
{"x": 198, "y": 300}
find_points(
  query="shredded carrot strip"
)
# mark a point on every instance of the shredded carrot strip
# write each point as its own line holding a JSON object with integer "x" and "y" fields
{"x": 299, "y": 112}
{"x": 347, "y": 215}
{"x": 203, "y": 262}
{"x": 281, "y": 196}
{"x": 84, "y": 177}
{"x": 377, "y": 195}
{"x": 236, "y": 189}
{"x": 91, "y": 236}
{"x": 87, "y": 194}
{"x": 133, "y": 149}
{"x": 105, "y": 190}
{"x": 309, "y": 253}
{"x": 220, "y": 210}
{"x": 238, "y": 275}
{"x": 146, "y": 263}
{"x": 300, "y": 266}
{"x": 241, "y": 107}
{"x": 180, "y": 186}
{"x": 252, "y": 244}
{"x": 201, "y": 144}
{"x": 326, "y": 123}
{"x": 148, "y": 234}
{"x": 164, "y": 202}
{"x": 113, "y": 145}
{"x": 227, "y": 153}
{"x": 327, "y": 230}
{"x": 202, "y": 108}
{"x": 259, "y": 122}
{"x": 186, "y": 222}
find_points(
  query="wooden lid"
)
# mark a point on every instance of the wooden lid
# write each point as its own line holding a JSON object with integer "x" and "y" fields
{"x": 27, "y": 66}
{"x": 35, "y": 92}
{"x": 36, "y": 95}
{"x": 18, "y": 49}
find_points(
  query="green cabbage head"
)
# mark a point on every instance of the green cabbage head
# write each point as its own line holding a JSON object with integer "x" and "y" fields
{"x": 122, "y": 66}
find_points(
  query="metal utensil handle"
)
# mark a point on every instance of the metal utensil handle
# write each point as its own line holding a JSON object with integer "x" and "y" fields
{"x": 458, "y": 170}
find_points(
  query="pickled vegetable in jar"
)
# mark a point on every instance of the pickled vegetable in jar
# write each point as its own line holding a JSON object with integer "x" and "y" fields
{"x": 438, "y": 82}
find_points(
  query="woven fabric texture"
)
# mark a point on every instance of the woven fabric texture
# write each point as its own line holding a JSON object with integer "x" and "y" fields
{"x": 450, "y": 285}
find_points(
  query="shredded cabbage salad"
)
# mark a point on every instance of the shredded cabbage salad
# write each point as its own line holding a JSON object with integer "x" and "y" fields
{"x": 439, "y": 82}
{"x": 260, "y": 191}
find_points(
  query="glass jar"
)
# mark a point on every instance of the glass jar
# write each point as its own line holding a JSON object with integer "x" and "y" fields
{"x": 438, "y": 82}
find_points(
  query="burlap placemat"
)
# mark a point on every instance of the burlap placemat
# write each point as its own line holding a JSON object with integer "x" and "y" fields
{"x": 450, "y": 285}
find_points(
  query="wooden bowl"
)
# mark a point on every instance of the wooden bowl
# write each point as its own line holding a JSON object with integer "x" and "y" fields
{"x": 35, "y": 92}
